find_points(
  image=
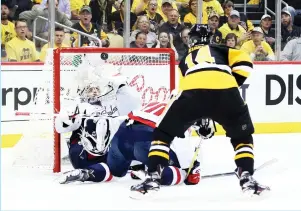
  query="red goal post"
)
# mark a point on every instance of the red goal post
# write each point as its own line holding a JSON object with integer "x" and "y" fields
{"x": 146, "y": 59}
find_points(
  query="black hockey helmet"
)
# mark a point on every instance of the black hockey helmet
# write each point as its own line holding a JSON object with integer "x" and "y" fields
{"x": 199, "y": 34}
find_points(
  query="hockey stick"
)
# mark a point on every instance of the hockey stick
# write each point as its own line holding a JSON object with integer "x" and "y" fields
{"x": 265, "y": 164}
{"x": 195, "y": 156}
{"x": 197, "y": 150}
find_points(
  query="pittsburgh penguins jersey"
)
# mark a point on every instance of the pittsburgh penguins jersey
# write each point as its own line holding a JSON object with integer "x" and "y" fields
{"x": 214, "y": 67}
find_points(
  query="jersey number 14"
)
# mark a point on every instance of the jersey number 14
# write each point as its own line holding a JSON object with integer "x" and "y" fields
{"x": 203, "y": 55}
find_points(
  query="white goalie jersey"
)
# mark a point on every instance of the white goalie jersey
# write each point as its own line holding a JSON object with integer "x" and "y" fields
{"x": 114, "y": 99}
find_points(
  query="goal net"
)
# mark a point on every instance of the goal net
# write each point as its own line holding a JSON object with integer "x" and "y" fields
{"x": 150, "y": 72}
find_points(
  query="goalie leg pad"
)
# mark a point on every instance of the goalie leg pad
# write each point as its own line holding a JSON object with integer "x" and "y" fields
{"x": 100, "y": 172}
{"x": 172, "y": 175}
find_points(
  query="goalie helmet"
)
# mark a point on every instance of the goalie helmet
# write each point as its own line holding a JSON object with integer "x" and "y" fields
{"x": 96, "y": 136}
{"x": 92, "y": 94}
{"x": 97, "y": 73}
{"x": 199, "y": 34}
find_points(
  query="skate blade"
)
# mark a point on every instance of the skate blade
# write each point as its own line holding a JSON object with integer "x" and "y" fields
{"x": 143, "y": 196}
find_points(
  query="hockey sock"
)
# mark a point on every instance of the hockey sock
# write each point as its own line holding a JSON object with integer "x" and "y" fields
{"x": 100, "y": 172}
{"x": 244, "y": 157}
{"x": 158, "y": 155}
{"x": 172, "y": 175}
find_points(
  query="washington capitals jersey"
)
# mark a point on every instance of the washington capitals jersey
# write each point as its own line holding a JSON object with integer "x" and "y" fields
{"x": 148, "y": 115}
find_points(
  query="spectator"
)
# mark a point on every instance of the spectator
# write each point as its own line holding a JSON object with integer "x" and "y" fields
{"x": 155, "y": 18}
{"x": 140, "y": 5}
{"x": 98, "y": 8}
{"x": 20, "y": 49}
{"x": 18, "y": 6}
{"x": 140, "y": 41}
{"x": 190, "y": 18}
{"x": 165, "y": 41}
{"x": 231, "y": 40}
{"x": 113, "y": 6}
{"x": 211, "y": 6}
{"x": 268, "y": 32}
{"x": 75, "y": 6}
{"x": 291, "y": 10}
{"x": 233, "y": 27}
{"x": 58, "y": 43}
{"x": 85, "y": 25}
{"x": 228, "y": 6}
{"x": 118, "y": 19}
{"x": 173, "y": 27}
{"x": 258, "y": 49}
{"x": 63, "y": 7}
{"x": 292, "y": 51}
{"x": 213, "y": 21}
{"x": 183, "y": 46}
{"x": 7, "y": 27}
{"x": 42, "y": 25}
{"x": 183, "y": 8}
{"x": 288, "y": 30}
{"x": 143, "y": 25}
{"x": 167, "y": 6}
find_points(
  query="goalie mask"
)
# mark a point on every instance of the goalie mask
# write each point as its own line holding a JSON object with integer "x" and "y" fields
{"x": 95, "y": 94}
{"x": 96, "y": 136}
{"x": 92, "y": 94}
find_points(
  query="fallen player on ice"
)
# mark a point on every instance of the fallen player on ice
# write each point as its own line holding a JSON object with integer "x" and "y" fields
{"x": 132, "y": 142}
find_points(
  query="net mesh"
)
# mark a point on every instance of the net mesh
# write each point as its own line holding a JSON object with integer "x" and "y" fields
{"x": 148, "y": 73}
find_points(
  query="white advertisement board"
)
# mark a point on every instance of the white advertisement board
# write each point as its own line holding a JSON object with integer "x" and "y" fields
{"x": 273, "y": 92}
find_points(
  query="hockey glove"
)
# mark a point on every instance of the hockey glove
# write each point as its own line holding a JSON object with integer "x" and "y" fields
{"x": 206, "y": 128}
{"x": 194, "y": 176}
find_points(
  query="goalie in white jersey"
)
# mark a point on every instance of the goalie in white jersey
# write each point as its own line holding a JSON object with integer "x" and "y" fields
{"x": 132, "y": 141}
{"x": 85, "y": 117}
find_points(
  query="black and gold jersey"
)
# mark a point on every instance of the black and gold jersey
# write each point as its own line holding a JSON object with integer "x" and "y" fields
{"x": 214, "y": 67}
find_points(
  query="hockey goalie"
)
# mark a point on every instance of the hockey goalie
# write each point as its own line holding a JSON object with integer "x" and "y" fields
{"x": 99, "y": 92}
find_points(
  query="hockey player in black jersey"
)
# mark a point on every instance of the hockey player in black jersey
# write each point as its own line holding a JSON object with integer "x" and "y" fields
{"x": 210, "y": 77}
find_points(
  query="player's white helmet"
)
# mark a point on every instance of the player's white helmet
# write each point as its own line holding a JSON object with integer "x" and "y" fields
{"x": 97, "y": 140}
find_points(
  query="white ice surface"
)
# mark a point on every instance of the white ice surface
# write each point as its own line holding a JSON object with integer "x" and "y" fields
{"x": 33, "y": 189}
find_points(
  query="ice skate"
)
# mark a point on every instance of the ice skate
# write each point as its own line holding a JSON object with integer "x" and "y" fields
{"x": 148, "y": 188}
{"x": 250, "y": 186}
{"x": 75, "y": 175}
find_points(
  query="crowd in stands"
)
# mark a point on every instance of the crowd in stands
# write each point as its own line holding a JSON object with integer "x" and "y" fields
{"x": 154, "y": 24}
